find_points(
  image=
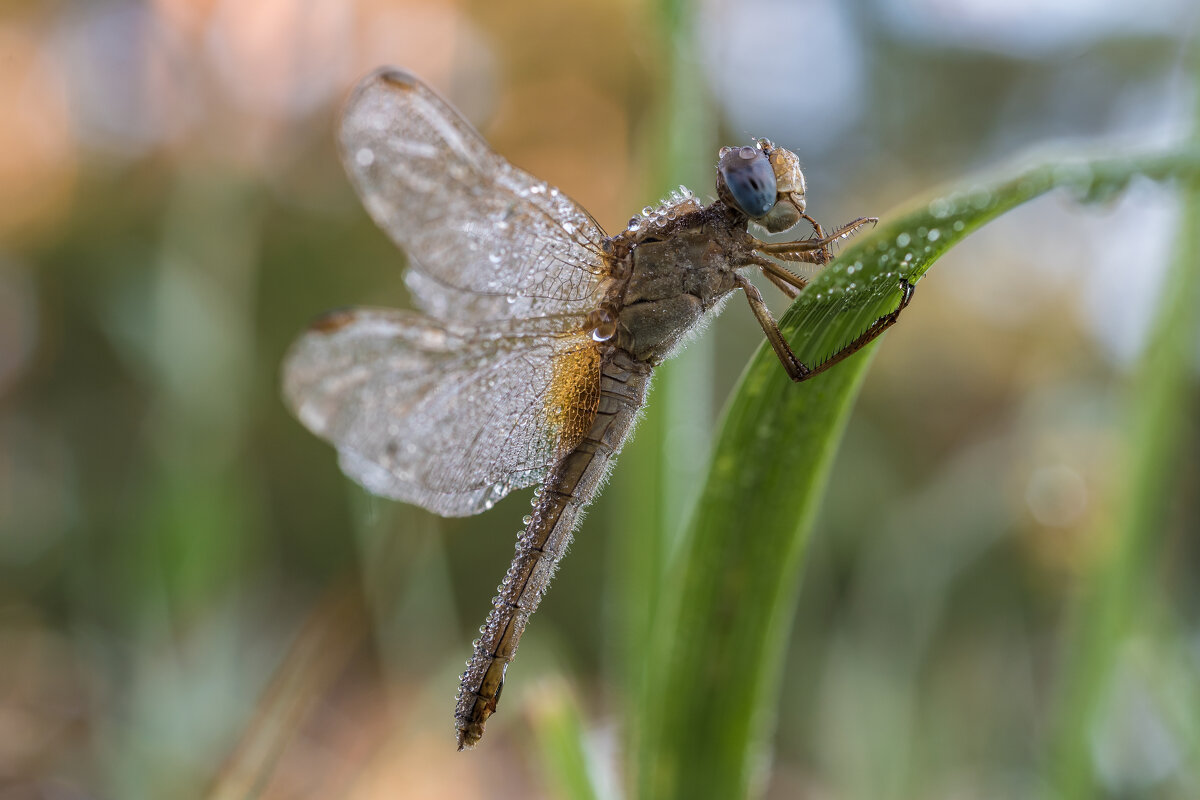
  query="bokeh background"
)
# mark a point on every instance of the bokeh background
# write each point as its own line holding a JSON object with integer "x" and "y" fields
{"x": 190, "y": 591}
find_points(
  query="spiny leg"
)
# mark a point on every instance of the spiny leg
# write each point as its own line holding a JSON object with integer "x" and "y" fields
{"x": 872, "y": 332}
{"x": 816, "y": 226}
{"x": 788, "y": 289}
{"x": 818, "y": 233}
{"x": 795, "y": 368}
{"x": 788, "y": 282}
{"x": 812, "y": 251}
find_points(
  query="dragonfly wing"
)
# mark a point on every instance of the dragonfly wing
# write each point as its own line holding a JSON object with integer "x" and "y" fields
{"x": 449, "y": 418}
{"x": 485, "y": 240}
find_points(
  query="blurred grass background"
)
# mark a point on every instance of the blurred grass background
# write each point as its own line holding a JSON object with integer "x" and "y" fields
{"x": 172, "y": 212}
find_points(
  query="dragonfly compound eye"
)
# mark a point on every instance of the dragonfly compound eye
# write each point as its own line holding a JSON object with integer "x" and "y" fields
{"x": 749, "y": 180}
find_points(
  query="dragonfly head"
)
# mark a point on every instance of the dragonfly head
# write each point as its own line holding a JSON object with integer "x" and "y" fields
{"x": 764, "y": 182}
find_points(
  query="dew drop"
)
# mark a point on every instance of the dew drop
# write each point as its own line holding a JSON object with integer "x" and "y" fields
{"x": 934, "y": 235}
{"x": 568, "y": 227}
{"x": 365, "y": 157}
{"x": 903, "y": 239}
{"x": 939, "y": 207}
{"x": 603, "y": 325}
{"x": 528, "y": 518}
{"x": 1075, "y": 176}
{"x": 494, "y": 258}
{"x": 647, "y": 211}
{"x": 981, "y": 199}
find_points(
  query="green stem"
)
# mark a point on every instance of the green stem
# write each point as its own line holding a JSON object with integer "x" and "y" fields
{"x": 679, "y": 149}
{"x": 559, "y": 730}
{"x": 1117, "y": 582}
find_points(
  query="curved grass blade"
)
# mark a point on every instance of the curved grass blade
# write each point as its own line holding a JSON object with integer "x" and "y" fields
{"x": 1119, "y": 582}
{"x": 716, "y": 666}
{"x": 683, "y": 141}
{"x": 558, "y": 728}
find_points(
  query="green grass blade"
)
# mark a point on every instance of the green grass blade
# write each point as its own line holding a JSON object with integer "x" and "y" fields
{"x": 680, "y": 148}
{"x": 1118, "y": 582}
{"x": 558, "y": 728}
{"x": 726, "y": 605}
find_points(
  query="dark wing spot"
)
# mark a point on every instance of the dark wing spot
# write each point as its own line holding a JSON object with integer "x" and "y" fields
{"x": 332, "y": 322}
{"x": 398, "y": 77}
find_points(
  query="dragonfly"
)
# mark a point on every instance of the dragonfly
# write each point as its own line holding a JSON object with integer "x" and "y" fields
{"x": 530, "y": 357}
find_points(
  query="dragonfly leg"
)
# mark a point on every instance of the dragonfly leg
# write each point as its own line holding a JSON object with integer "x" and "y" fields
{"x": 816, "y": 250}
{"x": 818, "y": 233}
{"x": 788, "y": 289}
{"x": 816, "y": 226}
{"x": 796, "y": 369}
{"x": 788, "y": 282}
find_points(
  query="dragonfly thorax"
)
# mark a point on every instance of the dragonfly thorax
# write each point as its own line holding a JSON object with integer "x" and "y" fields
{"x": 672, "y": 283}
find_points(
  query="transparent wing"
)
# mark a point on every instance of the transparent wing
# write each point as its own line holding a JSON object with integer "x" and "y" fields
{"x": 449, "y": 418}
{"x": 485, "y": 240}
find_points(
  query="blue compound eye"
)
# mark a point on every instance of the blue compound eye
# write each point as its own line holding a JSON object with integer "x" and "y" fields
{"x": 749, "y": 178}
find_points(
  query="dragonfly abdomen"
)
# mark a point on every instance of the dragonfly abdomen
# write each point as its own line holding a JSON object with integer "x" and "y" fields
{"x": 570, "y": 486}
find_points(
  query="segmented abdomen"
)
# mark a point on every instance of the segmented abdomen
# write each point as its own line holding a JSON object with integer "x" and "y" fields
{"x": 568, "y": 488}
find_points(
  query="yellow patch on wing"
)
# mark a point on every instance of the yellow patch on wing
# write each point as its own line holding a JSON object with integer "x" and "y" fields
{"x": 574, "y": 393}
